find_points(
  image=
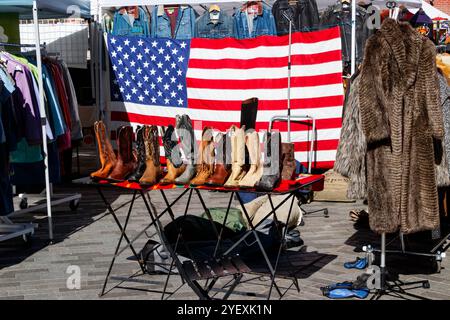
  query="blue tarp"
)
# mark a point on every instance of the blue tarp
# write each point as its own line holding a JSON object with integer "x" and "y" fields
{"x": 48, "y": 8}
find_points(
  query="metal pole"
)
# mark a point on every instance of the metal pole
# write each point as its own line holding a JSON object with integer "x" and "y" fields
{"x": 289, "y": 81}
{"x": 353, "y": 62}
{"x": 383, "y": 262}
{"x": 43, "y": 119}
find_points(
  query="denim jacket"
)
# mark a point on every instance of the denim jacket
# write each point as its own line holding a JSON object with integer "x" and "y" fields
{"x": 207, "y": 29}
{"x": 185, "y": 27}
{"x": 263, "y": 23}
{"x": 123, "y": 26}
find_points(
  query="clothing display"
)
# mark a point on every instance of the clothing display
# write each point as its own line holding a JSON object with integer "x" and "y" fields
{"x": 130, "y": 21}
{"x": 214, "y": 24}
{"x": 20, "y": 127}
{"x": 400, "y": 117}
{"x": 340, "y": 14}
{"x": 253, "y": 19}
{"x": 173, "y": 22}
{"x": 303, "y": 13}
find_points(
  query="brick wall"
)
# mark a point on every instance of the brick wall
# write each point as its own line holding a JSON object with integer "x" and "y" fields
{"x": 443, "y": 5}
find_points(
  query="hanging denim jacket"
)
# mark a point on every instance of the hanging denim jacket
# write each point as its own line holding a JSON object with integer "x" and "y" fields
{"x": 263, "y": 23}
{"x": 126, "y": 25}
{"x": 207, "y": 29}
{"x": 184, "y": 29}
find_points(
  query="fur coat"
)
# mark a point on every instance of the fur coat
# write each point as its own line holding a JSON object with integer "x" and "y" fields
{"x": 400, "y": 116}
{"x": 351, "y": 153}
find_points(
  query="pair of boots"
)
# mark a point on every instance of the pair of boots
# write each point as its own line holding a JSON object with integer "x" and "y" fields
{"x": 242, "y": 175}
{"x": 115, "y": 168}
{"x": 262, "y": 175}
{"x": 144, "y": 168}
{"x": 148, "y": 171}
{"x": 178, "y": 172}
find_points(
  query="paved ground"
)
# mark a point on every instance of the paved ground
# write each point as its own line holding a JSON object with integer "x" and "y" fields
{"x": 87, "y": 239}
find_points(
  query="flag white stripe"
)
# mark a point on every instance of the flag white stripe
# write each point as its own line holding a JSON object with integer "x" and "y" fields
{"x": 265, "y": 73}
{"x": 266, "y": 51}
{"x": 220, "y": 115}
{"x": 266, "y": 94}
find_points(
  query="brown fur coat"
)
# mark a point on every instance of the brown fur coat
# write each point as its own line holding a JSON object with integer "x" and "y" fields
{"x": 400, "y": 114}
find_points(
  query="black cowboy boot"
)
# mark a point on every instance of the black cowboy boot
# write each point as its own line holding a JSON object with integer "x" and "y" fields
{"x": 188, "y": 144}
{"x": 141, "y": 155}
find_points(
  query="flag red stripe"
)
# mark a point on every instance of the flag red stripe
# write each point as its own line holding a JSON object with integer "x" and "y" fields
{"x": 298, "y": 59}
{"x": 320, "y": 80}
{"x": 271, "y": 41}
{"x": 330, "y": 101}
{"x": 331, "y": 123}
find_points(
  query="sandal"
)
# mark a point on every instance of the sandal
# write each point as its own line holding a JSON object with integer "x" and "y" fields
{"x": 359, "y": 263}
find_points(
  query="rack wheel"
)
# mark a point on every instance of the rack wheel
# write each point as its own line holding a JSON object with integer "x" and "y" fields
{"x": 325, "y": 213}
{"x": 23, "y": 203}
{"x": 74, "y": 204}
{"x": 426, "y": 285}
{"x": 27, "y": 239}
{"x": 437, "y": 266}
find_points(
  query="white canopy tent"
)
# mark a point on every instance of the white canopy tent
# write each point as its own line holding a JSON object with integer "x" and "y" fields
{"x": 45, "y": 8}
{"x": 432, "y": 12}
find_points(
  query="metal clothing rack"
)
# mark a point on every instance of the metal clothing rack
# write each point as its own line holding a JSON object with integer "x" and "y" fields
{"x": 46, "y": 199}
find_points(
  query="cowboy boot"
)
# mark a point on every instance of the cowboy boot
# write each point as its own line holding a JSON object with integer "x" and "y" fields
{"x": 152, "y": 162}
{"x": 206, "y": 158}
{"x": 288, "y": 156}
{"x": 126, "y": 161}
{"x": 238, "y": 169}
{"x": 188, "y": 144}
{"x": 272, "y": 162}
{"x": 141, "y": 155}
{"x": 172, "y": 155}
{"x": 106, "y": 153}
{"x": 221, "y": 168}
{"x": 249, "y": 110}
{"x": 256, "y": 166}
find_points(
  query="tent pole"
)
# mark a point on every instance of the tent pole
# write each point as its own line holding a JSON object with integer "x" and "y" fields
{"x": 353, "y": 59}
{"x": 43, "y": 119}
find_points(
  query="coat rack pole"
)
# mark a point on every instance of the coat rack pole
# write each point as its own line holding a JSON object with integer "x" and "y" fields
{"x": 43, "y": 119}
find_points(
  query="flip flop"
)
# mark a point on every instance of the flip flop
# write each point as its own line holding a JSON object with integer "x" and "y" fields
{"x": 347, "y": 293}
{"x": 359, "y": 263}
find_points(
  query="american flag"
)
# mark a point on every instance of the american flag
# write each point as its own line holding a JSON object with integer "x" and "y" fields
{"x": 153, "y": 80}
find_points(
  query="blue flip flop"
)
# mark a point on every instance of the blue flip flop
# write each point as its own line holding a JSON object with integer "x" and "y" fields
{"x": 359, "y": 263}
{"x": 346, "y": 293}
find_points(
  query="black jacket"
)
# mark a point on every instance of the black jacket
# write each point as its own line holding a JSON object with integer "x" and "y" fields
{"x": 338, "y": 15}
{"x": 304, "y": 15}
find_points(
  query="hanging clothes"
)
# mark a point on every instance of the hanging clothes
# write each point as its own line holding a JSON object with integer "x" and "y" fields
{"x": 304, "y": 15}
{"x": 351, "y": 152}
{"x": 182, "y": 25}
{"x": 24, "y": 101}
{"x": 128, "y": 23}
{"x": 76, "y": 128}
{"x": 207, "y": 28}
{"x": 341, "y": 14}
{"x": 400, "y": 113}
{"x": 253, "y": 19}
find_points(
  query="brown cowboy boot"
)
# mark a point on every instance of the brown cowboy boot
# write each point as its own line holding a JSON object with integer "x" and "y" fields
{"x": 206, "y": 158}
{"x": 173, "y": 171}
{"x": 106, "y": 153}
{"x": 288, "y": 156}
{"x": 126, "y": 159}
{"x": 152, "y": 172}
{"x": 221, "y": 168}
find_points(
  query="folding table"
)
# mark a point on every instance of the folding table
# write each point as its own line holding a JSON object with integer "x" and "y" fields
{"x": 222, "y": 262}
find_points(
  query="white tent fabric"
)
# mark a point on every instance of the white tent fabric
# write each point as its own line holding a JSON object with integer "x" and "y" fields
{"x": 432, "y": 12}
